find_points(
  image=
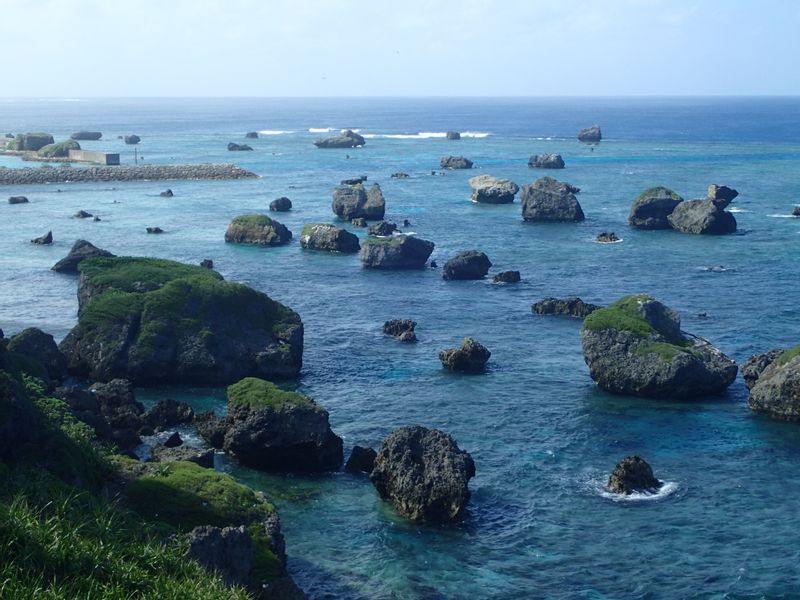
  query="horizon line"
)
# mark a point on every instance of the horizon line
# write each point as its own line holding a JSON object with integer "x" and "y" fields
{"x": 406, "y": 96}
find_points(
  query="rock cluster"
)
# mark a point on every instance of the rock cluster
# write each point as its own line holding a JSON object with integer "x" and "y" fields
{"x": 507, "y": 277}
{"x": 402, "y": 329}
{"x": 661, "y": 208}
{"x": 328, "y": 237}
{"x": 546, "y": 161}
{"x": 606, "y": 237}
{"x": 547, "y": 200}
{"x": 346, "y": 139}
{"x": 470, "y": 357}
{"x": 382, "y": 229}
{"x": 353, "y": 202}
{"x": 492, "y": 190}
{"x": 570, "y": 307}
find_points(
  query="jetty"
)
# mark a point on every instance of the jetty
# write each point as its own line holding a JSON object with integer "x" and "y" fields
{"x": 41, "y": 175}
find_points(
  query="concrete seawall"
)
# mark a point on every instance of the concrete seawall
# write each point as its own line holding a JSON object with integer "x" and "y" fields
{"x": 137, "y": 173}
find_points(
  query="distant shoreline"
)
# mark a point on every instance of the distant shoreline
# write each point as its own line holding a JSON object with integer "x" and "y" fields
{"x": 27, "y": 175}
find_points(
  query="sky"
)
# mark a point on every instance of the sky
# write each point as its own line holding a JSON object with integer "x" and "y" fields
{"x": 88, "y": 48}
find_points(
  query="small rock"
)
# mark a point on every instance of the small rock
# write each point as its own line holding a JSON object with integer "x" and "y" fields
{"x": 606, "y": 237}
{"x": 590, "y": 134}
{"x": 18, "y": 200}
{"x": 632, "y": 474}
{"x": 44, "y": 240}
{"x": 454, "y": 162}
{"x": 651, "y": 208}
{"x": 346, "y": 139}
{"x": 471, "y": 357}
{"x": 406, "y": 223}
{"x": 359, "y": 222}
{"x": 328, "y": 237}
{"x": 507, "y": 277}
{"x": 82, "y": 214}
{"x": 546, "y": 161}
{"x": 207, "y": 263}
{"x": 132, "y": 139}
{"x": 211, "y": 428}
{"x": 399, "y": 175}
{"x": 281, "y": 204}
{"x": 469, "y": 264}
{"x": 354, "y": 180}
{"x": 168, "y": 413}
{"x": 571, "y": 307}
{"x": 796, "y": 211}
{"x": 396, "y": 252}
{"x": 233, "y": 147}
{"x": 382, "y": 229}
{"x": 174, "y": 440}
{"x": 167, "y": 193}
{"x": 721, "y": 195}
{"x": 96, "y": 219}
{"x": 402, "y": 329}
{"x": 362, "y": 460}
{"x": 251, "y": 135}
{"x": 155, "y": 230}
{"x": 453, "y": 135}
{"x": 548, "y": 200}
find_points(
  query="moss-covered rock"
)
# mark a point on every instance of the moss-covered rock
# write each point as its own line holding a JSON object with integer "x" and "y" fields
{"x": 59, "y": 150}
{"x": 328, "y": 237}
{"x": 652, "y": 207}
{"x": 31, "y": 142}
{"x": 257, "y": 229}
{"x": 776, "y": 393}
{"x": 159, "y": 321}
{"x": 40, "y": 346}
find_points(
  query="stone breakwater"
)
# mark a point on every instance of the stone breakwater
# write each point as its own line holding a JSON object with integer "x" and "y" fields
{"x": 135, "y": 173}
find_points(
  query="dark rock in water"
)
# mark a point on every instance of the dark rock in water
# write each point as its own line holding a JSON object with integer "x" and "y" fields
{"x": 168, "y": 413}
{"x": 632, "y": 474}
{"x": 44, "y": 240}
{"x": 469, "y": 264}
{"x": 207, "y": 263}
{"x": 174, "y": 440}
{"x": 382, "y": 229}
{"x": 346, "y": 139}
{"x": 354, "y": 180}
{"x": 362, "y": 460}
{"x": 81, "y": 250}
{"x": 154, "y": 230}
{"x": 434, "y": 265}
{"x": 41, "y": 347}
{"x": 424, "y": 474}
{"x": 32, "y": 142}
{"x": 491, "y": 190}
{"x": 359, "y": 222}
{"x": 776, "y": 393}
{"x": 251, "y": 135}
{"x": 571, "y": 307}
{"x": 752, "y": 368}
{"x": 211, "y": 428}
{"x": 86, "y": 135}
{"x": 399, "y": 175}
{"x": 227, "y": 551}
{"x": 275, "y": 430}
{"x": 82, "y": 214}
{"x": 18, "y": 200}
{"x": 402, "y": 329}
{"x": 546, "y": 161}
{"x": 157, "y": 321}
{"x": 119, "y": 408}
{"x": 453, "y": 135}
{"x": 167, "y": 193}
{"x": 796, "y": 211}
{"x": 233, "y": 147}
{"x": 702, "y": 217}
{"x": 257, "y": 229}
{"x": 635, "y": 347}
{"x": 163, "y": 454}
{"x": 547, "y": 200}
{"x": 281, "y": 204}
{"x": 471, "y": 357}
{"x": 132, "y": 140}
{"x": 590, "y": 134}
{"x": 406, "y": 223}
{"x": 454, "y": 162}
{"x": 375, "y": 206}
{"x": 96, "y": 219}
{"x": 721, "y": 195}
{"x": 397, "y": 252}
{"x": 607, "y": 237}
{"x": 507, "y": 277}
{"x": 353, "y": 201}
{"x": 324, "y": 236}
{"x": 651, "y": 209}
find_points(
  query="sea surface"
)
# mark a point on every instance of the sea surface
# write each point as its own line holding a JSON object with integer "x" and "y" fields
{"x": 544, "y": 438}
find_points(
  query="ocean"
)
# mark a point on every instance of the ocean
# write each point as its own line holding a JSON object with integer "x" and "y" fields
{"x": 544, "y": 438}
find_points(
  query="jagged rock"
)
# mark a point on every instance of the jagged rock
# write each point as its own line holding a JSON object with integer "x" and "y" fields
{"x": 281, "y": 204}
{"x": 590, "y": 134}
{"x": 82, "y": 214}
{"x": 41, "y": 347}
{"x": 271, "y": 429}
{"x": 471, "y": 357}
{"x": 547, "y": 200}
{"x": 211, "y": 428}
{"x": 455, "y": 162}
{"x": 227, "y": 551}
{"x": 702, "y": 217}
{"x": 571, "y": 307}
{"x": 546, "y": 161}
{"x": 469, "y": 264}
{"x": 402, "y": 329}
{"x": 328, "y": 237}
{"x": 632, "y": 474}
{"x": 361, "y": 460}
{"x": 119, "y": 408}
{"x": 453, "y": 135}
{"x": 752, "y": 368}
{"x": 721, "y": 195}
{"x": 18, "y": 200}
{"x": 359, "y": 222}
{"x": 606, "y": 237}
{"x": 635, "y": 347}
{"x": 173, "y": 441}
{"x": 397, "y": 252}
{"x": 776, "y": 393}
{"x": 81, "y": 250}
{"x": 424, "y": 474}
{"x": 260, "y": 230}
{"x": 233, "y": 147}
{"x": 491, "y": 190}
{"x": 796, "y": 211}
{"x": 154, "y": 230}
{"x": 44, "y": 240}
{"x": 399, "y": 175}
{"x": 507, "y": 277}
{"x": 354, "y": 180}
{"x": 651, "y": 209}
{"x": 346, "y": 139}
{"x": 167, "y": 193}
{"x": 251, "y": 135}
{"x": 204, "y": 458}
{"x": 375, "y": 207}
{"x": 207, "y": 263}
{"x": 353, "y": 201}
{"x": 168, "y": 413}
{"x": 158, "y": 321}
{"x": 382, "y": 229}
{"x": 132, "y": 140}
{"x": 86, "y": 135}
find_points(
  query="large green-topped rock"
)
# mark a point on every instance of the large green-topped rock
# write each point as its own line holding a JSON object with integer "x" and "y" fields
{"x": 776, "y": 392}
{"x": 59, "y": 150}
{"x": 635, "y": 346}
{"x": 159, "y": 321}
{"x": 259, "y": 230}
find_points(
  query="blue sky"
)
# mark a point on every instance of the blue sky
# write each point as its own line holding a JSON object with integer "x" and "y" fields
{"x": 81, "y": 48}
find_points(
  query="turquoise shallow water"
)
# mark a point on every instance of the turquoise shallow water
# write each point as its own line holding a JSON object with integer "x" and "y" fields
{"x": 543, "y": 437}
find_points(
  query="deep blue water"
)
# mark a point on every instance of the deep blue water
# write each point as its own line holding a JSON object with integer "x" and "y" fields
{"x": 543, "y": 437}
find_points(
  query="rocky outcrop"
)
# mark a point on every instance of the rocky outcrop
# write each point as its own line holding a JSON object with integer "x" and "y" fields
{"x": 271, "y": 429}
{"x": 382, "y": 229}
{"x": 132, "y": 140}
{"x": 570, "y": 307}
{"x": 44, "y": 240}
{"x": 211, "y": 428}
{"x": 353, "y": 201}
{"x": 469, "y": 264}
{"x": 168, "y": 413}
{"x": 158, "y": 321}
{"x": 86, "y": 135}
{"x": 752, "y": 368}
{"x": 776, "y": 393}
{"x": 251, "y": 135}
{"x": 703, "y": 217}
{"x": 154, "y": 230}
{"x": 39, "y": 346}
{"x": 491, "y": 190}
{"x": 507, "y": 277}
{"x": 635, "y": 347}
{"x": 81, "y": 250}
{"x": 471, "y": 357}
{"x": 168, "y": 193}
{"x": 607, "y": 237}
{"x": 375, "y": 206}
{"x": 721, "y": 194}
{"x": 225, "y": 550}
{"x": 257, "y": 229}
{"x": 546, "y": 161}
{"x": 633, "y": 475}
{"x": 453, "y": 135}
{"x": 207, "y": 263}
{"x": 361, "y": 460}
{"x": 281, "y": 204}
{"x": 423, "y": 474}
{"x": 397, "y": 252}
{"x": 328, "y": 237}
{"x": 82, "y": 214}
{"x": 118, "y": 407}
{"x": 590, "y": 134}
{"x": 59, "y": 150}
{"x": 796, "y": 211}
{"x": 402, "y": 329}
{"x": 346, "y": 139}
{"x": 455, "y": 162}
{"x": 234, "y": 147}
{"x": 547, "y": 200}
{"x": 32, "y": 142}
{"x": 18, "y": 200}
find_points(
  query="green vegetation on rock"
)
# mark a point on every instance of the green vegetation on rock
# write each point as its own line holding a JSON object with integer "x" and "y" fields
{"x": 309, "y": 229}
{"x": 259, "y": 393}
{"x": 266, "y": 566}
{"x": 788, "y": 355}
{"x": 394, "y": 240}
{"x": 665, "y": 350}
{"x": 252, "y": 221}
{"x": 658, "y": 191}
{"x": 61, "y": 149}
{"x": 622, "y": 315}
